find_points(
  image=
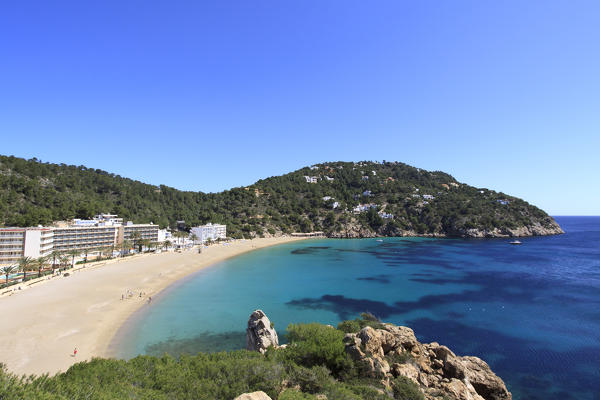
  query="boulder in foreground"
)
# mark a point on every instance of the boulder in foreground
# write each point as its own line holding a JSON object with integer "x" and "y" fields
{"x": 253, "y": 396}
{"x": 260, "y": 335}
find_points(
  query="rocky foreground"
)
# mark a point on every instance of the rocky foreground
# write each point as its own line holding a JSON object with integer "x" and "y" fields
{"x": 390, "y": 351}
{"x": 435, "y": 368}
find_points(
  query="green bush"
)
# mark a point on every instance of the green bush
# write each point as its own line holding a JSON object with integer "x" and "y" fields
{"x": 349, "y": 326}
{"x": 405, "y": 389}
{"x": 291, "y": 394}
{"x": 315, "y": 344}
{"x": 311, "y": 380}
{"x": 366, "y": 319}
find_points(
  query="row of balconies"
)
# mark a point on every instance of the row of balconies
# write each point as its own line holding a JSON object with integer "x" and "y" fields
{"x": 66, "y": 243}
{"x": 85, "y": 237}
{"x": 8, "y": 247}
{"x": 3, "y": 241}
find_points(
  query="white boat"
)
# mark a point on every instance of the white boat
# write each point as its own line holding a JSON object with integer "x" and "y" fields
{"x": 515, "y": 242}
{"x": 379, "y": 240}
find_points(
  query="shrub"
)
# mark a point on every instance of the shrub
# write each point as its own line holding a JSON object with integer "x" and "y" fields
{"x": 315, "y": 344}
{"x": 349, "y": 326}
{"x": 291, "y": 394}
{"x": 405, "y": 389}
{"x": 366, "y": 319}
{"x": 311, "y": 380}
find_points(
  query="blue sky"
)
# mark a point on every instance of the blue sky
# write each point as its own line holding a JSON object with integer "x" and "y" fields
{"x": 212, "y": 95}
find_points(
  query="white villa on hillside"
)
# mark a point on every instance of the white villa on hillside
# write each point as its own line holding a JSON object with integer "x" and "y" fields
{"x": 311, "y": 179}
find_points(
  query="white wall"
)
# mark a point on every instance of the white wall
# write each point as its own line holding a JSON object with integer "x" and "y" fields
{"x": 33, "y": 241}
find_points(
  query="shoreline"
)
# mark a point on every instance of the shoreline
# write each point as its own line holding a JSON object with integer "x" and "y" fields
{"x": 43, "y": 324}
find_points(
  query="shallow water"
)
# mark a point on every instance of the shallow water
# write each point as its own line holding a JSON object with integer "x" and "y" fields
{"x": 531, "y": 311}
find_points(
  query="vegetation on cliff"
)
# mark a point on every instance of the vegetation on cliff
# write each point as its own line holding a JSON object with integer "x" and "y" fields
{"x": 393, "y": 199}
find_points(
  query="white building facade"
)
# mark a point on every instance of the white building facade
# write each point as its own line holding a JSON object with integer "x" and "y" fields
{"x": 103, "y": 231}
{"x": 209, "y": 231}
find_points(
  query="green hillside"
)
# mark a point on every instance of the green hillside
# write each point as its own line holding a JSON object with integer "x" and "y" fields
{"x": 421, "y": 202}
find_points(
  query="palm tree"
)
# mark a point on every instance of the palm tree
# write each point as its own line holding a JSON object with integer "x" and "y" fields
{"x": 144, "y": 243}
{"x": 167, "y": 244}
{"x": 64, "y": 259}
{"x": 25, "y": 264}
{"x": 40, "y": 262}
{"x": 55, "y": 254}
{"x": 136, "y": 236}
{"x": 126, "y": 245}
{"x": 180, "y": 236}
{"x": 109, "y": 250}
{"x": 73, "y": 253}
{"x": 7, "y": 270}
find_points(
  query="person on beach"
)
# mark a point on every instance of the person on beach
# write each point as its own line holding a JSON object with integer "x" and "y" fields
{"x": 75, "y": 352}
{"x": 149, "y": 299}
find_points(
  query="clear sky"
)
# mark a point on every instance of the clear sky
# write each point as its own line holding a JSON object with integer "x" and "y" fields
{"x": 209, "y": 95}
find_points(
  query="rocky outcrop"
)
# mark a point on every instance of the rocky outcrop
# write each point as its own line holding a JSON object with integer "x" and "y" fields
{"x": 535, "y": 229}
{"x": 394, "y": 351}
{"x": 253, "y": 396}
{"x": 550, "y": 227}
{"x": 536, "y": 226}
{"x": 260, "y": 334}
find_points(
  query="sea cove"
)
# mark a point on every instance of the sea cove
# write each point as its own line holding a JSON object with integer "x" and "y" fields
{"x": 530, "y": 311}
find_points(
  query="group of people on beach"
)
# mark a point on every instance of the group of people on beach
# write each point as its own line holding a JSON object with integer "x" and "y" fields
{"x": 129, "y": 294}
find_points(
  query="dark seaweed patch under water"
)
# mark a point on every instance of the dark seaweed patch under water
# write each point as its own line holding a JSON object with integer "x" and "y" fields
{"x": 206, "y": 342}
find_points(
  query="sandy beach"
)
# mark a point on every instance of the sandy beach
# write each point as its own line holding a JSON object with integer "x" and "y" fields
{"x": 43, "y": 324}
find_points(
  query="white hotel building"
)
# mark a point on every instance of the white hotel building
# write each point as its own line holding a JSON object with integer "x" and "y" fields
{"x": 103, "y": 231}
{"x": 29, "y": 242}
{"x": 209, "y": 231}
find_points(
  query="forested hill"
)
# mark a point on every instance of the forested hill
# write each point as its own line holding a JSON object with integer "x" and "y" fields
{"x": 393, "y": 199}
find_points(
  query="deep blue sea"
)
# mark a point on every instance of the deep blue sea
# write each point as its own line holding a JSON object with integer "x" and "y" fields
{"x": 531, "y": 311}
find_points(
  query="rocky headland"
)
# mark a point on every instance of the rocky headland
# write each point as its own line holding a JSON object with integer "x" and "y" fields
{"x": 387, "y": 351}
{"x": 393, "y": 351}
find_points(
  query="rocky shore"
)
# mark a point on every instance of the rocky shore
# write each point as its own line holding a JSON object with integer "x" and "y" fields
{"x": 394, "y": 351}
{"x": 388, "y": 351}
{"x": 535, "y": 229}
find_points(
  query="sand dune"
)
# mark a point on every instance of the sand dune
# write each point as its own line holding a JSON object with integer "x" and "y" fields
{"x": 41, "y": 326}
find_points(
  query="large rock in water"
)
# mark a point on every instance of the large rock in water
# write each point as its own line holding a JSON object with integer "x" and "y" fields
{"x": 253, "y": 396}
{"x": 259, "y": 334}
{"x": 393, "y": 351}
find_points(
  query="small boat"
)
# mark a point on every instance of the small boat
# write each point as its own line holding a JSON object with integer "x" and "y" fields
{"x": 379, "y": 240}
{"x": 515, "y": 242}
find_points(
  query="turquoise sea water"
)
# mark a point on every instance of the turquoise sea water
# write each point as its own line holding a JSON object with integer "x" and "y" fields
{"x": 531, "y": 311}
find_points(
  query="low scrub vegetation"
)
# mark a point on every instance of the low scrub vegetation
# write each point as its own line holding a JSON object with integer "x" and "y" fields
{"x": 314, "y": 362}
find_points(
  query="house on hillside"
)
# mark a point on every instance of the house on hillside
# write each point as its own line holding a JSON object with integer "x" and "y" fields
{"x": 385, "y": 215}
